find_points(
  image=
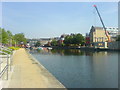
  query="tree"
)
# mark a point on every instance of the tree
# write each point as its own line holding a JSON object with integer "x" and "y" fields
{"x": 20, "y": 38}
{"x": 9, "y": 34}
{"x": 10, "y": 37}
{"x": 68, "y": 40}
{"x": 78, "y": 39}
{"x": 74, "y": 39}
{"x": 4, "y": 36}
{"x": 37, "y": 44}
{"x": 54, "y": 43}
{"x": 7, "y": 38}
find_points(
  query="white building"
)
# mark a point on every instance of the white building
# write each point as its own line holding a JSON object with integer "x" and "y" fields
{"x": 113, "y": 31}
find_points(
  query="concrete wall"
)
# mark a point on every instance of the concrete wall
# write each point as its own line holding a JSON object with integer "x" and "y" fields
{"x": 114, "y": 45}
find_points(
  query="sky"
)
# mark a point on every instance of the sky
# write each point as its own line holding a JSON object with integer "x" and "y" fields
{"x": 51, "y": 19}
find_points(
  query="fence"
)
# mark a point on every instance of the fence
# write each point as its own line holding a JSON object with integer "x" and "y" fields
{"x": 5, "y": 62}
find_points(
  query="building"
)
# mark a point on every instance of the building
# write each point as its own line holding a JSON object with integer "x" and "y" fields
{"x": 61, "y": 39}
{"x": 113, "y": 32}
{"x": 42, "y": 41}
{"x": 45, "y": 41}
{"x": 97, "y": 34}
{"x": 98, "y": 37}
{"x": 87, "y": 39}
{"x": 32, "y": 42}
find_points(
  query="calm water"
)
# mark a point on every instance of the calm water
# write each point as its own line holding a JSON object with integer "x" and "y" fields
{"x": 80, "y": 69}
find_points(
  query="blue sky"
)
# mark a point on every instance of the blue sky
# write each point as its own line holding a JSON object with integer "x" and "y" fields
{"x": 51, "y": 19}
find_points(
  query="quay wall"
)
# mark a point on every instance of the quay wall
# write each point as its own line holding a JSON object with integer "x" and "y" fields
{"x": 55, "y": 83}
{"x": 114, "y": 45}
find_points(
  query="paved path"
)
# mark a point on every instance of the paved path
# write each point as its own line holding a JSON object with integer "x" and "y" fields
{"x": 27, "y": 74}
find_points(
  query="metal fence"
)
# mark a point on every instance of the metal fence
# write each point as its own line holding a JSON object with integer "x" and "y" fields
{"x": 5, "y": 62}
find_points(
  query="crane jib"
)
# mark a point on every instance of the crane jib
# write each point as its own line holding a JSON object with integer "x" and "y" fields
{"x": 102, "y": 23}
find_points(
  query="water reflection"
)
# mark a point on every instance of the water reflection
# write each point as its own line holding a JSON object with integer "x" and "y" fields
{"x": 67, "y": 52}
{"x": 81, "y": 69}
{"x": 76, "y": 52}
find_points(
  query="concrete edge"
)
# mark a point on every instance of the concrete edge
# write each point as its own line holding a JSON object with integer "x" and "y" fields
{"x": 35, "y": 60}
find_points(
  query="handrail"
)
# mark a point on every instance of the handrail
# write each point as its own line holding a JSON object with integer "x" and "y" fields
{"x": 5, "y": 68}
{"x": 6, "y": 49}
{"x": 3, "y": 71}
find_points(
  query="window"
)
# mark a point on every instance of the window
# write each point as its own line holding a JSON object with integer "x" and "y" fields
{"x": 100, "y": 44}
{"x": 102, "y": 39}
{"x": 95, "y": 39}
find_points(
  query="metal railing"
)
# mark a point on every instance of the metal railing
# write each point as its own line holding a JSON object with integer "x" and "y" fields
{"x": 5, "y": 61}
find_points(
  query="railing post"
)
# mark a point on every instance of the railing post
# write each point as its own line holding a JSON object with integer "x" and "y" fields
{"x": 7, "y": 65}
{"x": 10, "y": 58}
{"x": 0, "y": 63}
{"x": 8, "y": 62}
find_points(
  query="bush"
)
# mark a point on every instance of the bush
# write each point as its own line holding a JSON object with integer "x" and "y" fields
{"x": 8, "y": 52}
{"x": 14, "y": 48}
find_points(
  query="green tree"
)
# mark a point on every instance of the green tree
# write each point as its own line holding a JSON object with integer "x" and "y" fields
{"x": 37, "y": 44}
{"x": 7, "y": 38}
{"x": 74, "y": 39}
{"x": 68, "y": 40}
{"x": 54, "y": 43}
{"x": 10, "y": 37}
{"x": 4, "y": 36}
{"x": 78, "y": 39}
{"x": 9, "y": 34}
{"x": 20, "y": 37}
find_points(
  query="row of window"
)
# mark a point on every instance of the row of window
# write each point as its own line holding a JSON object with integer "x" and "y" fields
{"x": 112, "y": 28}
{"x": 101, "y": 39}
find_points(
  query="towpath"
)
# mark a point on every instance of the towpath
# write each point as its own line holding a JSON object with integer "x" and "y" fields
{"x": 29, "y": 74}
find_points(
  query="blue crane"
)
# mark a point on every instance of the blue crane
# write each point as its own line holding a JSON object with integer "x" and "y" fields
{"x": 106, "y": 33}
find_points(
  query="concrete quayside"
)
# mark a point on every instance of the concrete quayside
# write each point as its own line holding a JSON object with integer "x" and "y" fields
{"x": 29, "y": 73}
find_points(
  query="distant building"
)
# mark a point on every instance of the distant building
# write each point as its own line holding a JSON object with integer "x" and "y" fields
{"x": 97, "y": 34}
{"x": 98, "y": 38}
{"x": 56, "y": 38}
{"x": 113, "y": 32}
{"x": 32, "y": 42}
{"x": 87, "y": 39}
{"x": 43, "y": 41}
{"x": 61, "y": 39}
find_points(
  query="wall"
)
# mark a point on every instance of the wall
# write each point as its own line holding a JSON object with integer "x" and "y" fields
{"x": 114, "y": 45}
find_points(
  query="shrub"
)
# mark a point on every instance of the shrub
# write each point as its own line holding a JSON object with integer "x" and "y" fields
{"x": 14, "y": 48}
{"x": 8, "y": 52}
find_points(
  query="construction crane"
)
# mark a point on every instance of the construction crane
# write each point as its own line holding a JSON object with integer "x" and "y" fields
{"x": 106, "y": 33}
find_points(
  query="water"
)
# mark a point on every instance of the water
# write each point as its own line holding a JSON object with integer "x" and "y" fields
{"x": 81, "y": 69}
